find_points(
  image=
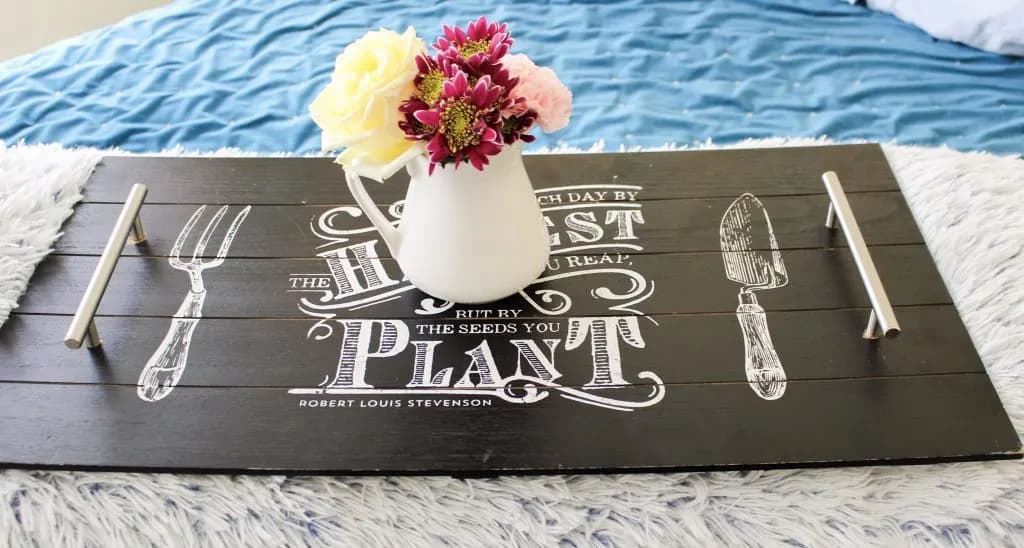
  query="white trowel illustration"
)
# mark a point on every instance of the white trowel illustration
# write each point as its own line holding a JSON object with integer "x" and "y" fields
{"x": 753, "y": 260}
{"x": 167, "y": 364}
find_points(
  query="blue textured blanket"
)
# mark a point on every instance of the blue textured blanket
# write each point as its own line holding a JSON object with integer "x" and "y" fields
{"x": 206, "y": 74}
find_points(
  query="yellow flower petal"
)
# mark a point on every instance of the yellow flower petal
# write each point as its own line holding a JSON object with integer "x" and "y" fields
{"x": 358, "y": 109}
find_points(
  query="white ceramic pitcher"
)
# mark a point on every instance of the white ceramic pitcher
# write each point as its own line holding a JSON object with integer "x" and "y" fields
{"x": 466, "y": 235}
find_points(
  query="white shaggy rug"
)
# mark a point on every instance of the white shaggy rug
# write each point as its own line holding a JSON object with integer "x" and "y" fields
{"x": 971, "y": 209}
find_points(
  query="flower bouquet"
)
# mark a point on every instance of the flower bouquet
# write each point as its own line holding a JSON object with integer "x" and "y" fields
{"x": 456, "y": 119}
{"x": 389, "y": 99}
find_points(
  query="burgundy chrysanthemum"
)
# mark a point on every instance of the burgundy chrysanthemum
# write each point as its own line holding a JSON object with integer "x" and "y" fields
{"x": 477, "y": 66}
{"x": 413, "y": 128}
{"x": 430, "y": 77}
{"x": 432, "y": 72}
{"x": 481, "y": 39}
{"x": 467, "y": 122}
{"x": 515, "y": 127}
{"x": 463, "y": 105}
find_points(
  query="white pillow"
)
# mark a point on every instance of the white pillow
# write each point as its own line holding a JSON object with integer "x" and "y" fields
{"x": 993, "y": 25}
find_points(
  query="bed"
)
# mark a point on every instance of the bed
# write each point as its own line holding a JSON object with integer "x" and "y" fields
{"x": 208, "y": 74}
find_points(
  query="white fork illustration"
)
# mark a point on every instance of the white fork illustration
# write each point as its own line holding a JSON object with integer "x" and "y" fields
{"x": 167, "y": 364}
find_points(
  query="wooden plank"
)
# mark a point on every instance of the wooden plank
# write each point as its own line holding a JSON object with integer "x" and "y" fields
{"x": 669, "y": 226}
{"x": 865, "y": 421}
{"x": 679, "y": 349}
{"x": 303, "y": 181}
{"x": 682, "y": 283}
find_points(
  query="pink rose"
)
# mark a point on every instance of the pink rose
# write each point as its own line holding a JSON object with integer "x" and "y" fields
{"x": 542, "y": 90}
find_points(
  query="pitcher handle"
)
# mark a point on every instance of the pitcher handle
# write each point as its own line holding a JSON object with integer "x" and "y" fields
{"x": 392, "y": 238}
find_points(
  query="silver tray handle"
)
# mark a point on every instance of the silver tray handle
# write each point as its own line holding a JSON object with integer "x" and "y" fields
{"x": 882, "y": 319}
{"x": 83, "y": 325}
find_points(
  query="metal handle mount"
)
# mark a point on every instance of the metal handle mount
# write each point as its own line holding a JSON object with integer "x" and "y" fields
{"x": 83, "y": 325}
{"x": 883, "y": 319}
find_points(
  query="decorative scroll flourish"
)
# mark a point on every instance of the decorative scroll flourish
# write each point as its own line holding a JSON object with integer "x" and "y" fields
{"x": 656, "y": 395}
{"x": 596, "y": 248}
{"x": 329, "y": 304}
{"x": 328, "y": 225}
{"x": 322, "y": 329}
{"x": 325, "y": 305}
{"x": 396, "y": 209}
{"x": 548, "y": 296}
{"x": 522, "y": 389}
{"x": 640, "y": 289}
{"x": 427, "y": 306}
{"x": 535, "y": 389}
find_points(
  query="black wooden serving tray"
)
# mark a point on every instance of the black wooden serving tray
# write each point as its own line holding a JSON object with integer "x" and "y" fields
{"x": 313, "y": 355}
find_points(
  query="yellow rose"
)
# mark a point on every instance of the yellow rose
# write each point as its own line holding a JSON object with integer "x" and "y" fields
{"x": 358, "y": 110}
